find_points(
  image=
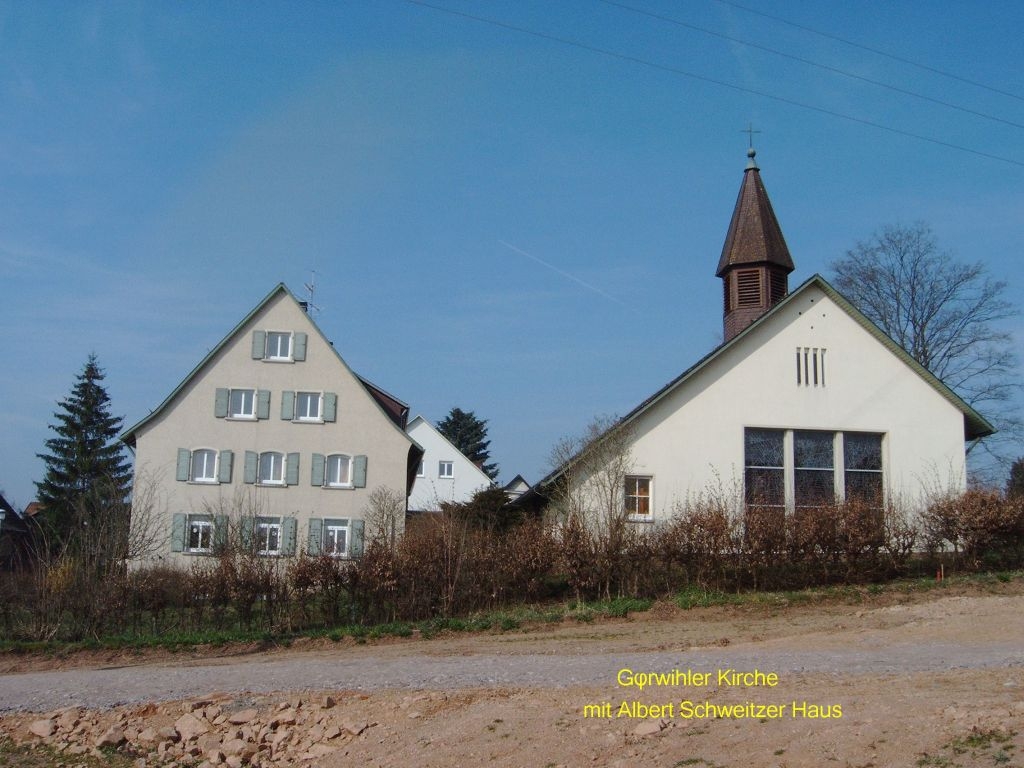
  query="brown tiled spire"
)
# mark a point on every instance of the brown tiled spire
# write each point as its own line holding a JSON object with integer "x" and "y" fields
{"x": 755, "y": 263}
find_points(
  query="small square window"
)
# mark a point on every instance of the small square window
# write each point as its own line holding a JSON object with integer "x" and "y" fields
{"x": 271, "y": 469}
{"x": 279, "y": 345}
{"x": 307, "y": 406}
{"x": 336, "y": 538}
{"x": 638, "y": 497}
{"x": 203, "y": 467}
{"x": 338, "y": 471}
{"x": 420, "y": 470}
{"x": 268, "y": 535}
{"x": 242, "y": 404}
{"x": 446, "y": 469}
{"x": 200, "y": 533}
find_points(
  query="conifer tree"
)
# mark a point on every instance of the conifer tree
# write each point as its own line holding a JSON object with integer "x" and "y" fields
{"x": 86, "y": 469}
{"x": 469, "y": 434}
{"x": 1015, "y": 485}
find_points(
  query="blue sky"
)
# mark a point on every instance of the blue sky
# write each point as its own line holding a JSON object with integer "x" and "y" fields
{"x": 498, "y": 220}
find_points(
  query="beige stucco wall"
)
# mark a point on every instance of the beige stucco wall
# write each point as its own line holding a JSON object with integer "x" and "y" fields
{"x": 361, "y": 428}
{"x": 692, "y": 440}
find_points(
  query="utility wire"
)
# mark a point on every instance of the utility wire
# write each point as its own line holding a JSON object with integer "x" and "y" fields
{"x": 683, "y": 73}
{"x": 869, "y": 49}
{"x": 811, "y": 63}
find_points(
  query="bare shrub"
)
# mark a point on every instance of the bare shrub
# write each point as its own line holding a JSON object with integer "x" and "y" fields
{"x": 981, "y": 527}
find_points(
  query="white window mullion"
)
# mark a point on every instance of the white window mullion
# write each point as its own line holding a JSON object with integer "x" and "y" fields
{"x": 790, "y": 473}
{"x": 840, "y": 467}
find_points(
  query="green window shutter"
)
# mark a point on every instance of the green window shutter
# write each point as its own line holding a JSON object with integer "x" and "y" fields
{"x": 220, "y": 532}
{"x": 298, "y": 347}
{"x": 317, "y": 475}
{"x": 252, "y": 463}
{"x": 263, "y": 404}
{"x": 355, "y": 549}
{"x": 246, "y": 530}
{"x": 287, "y": 405}
{"x": 227, "y": 460}
{"x": 289, "y": 527}
{"x": 359, "y": 471}
{"x": 184, "y": 459}
{"x": 220, "y": 403}
{"x": 316, "y": 536}
{"x": 291, "y": 469}
{"x": 178, "y": 522}
{"x": 259, "y": 345}
{"x": 330, "y": 406}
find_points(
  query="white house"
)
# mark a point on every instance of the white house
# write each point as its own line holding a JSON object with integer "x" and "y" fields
{"x": 444, "y": 474}
{"x": 273, "y": 433}
{"x": 804, "y": 403}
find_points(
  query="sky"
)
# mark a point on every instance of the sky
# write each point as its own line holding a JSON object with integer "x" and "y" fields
{"x": 514, "y": 208}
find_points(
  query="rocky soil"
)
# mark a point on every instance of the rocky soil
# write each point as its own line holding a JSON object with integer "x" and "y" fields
{"x": 930, "y": 680}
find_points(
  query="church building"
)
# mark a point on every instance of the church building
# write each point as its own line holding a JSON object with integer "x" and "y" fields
{"x": 806, "y": 402}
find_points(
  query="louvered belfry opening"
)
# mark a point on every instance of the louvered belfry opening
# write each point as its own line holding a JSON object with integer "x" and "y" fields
{"x": 755, "y": 263}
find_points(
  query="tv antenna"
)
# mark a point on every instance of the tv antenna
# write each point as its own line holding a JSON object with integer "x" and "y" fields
{"x": 310, "y": 287}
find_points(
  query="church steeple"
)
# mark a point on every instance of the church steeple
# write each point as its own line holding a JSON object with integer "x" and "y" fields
{"x": 755, "y": 263}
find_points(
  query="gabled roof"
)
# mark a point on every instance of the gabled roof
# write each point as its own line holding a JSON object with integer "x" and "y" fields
{"x": 436, "y": 431}
{"x": 389, "y": 406}
{"x": 754, "y": 236}
{"x": 975, "y": 425}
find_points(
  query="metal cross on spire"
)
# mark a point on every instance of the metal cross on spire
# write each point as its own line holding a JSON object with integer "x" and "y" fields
{"x": 749, "y": 130}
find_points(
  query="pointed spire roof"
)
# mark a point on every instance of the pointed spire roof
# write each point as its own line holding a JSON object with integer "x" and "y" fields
{"x": 754, "y": 233}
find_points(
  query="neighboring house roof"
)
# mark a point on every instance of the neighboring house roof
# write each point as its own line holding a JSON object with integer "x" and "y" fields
{"x": 476, "y": 467}
{"x": 754, "y": 236}
{"x": 975, "y": 425}
{"x": 395, "y": 408}
{"x": 392, "y": 408}
{"x": 10, "y": 520}
{"x": 516, "y": 487}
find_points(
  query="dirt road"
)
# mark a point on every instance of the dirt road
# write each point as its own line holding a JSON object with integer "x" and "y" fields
{"x": 937, "y": 678}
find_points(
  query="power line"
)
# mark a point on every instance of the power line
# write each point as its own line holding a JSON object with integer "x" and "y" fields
{"x": 876, "y": 51}
{"x": 711, "y": 80}
{"x": 811, "y": 63}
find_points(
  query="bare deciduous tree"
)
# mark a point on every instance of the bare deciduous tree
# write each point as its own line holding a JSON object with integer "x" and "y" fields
{"x": 588, "y": 501}
{"x": 945, "y": 313}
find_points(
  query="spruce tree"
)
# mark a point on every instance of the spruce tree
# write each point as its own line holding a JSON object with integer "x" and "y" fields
{"x": 469, "y": 434}
{"x": 1015, "y": 485}
{"x": 86, "y": 469}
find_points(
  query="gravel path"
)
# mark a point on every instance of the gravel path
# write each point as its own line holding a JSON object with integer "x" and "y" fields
{"x": 102, "y": 688}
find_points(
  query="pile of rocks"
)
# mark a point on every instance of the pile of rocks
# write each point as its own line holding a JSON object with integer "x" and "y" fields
{"x": 214, "y": 730}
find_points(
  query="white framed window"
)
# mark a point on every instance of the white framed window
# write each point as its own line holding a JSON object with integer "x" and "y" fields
{"x": 279, "y": 345}
{"x": 421, "y": 470}
{"x": 446, "y": 469}
{"x": 242, "y": 404}
{"x": 338, "y": 471}
{"x": 203, "y": 466}
{"x": 813, "y": 469}
{"x": 268, "y": 535}
{"x": 199, "y": 533}
{"x": 638, "y": 497}
{"x": 309, "y": 406}
{"x": 788, "y": 469}
{"x": 271, "y": 468}
{"x": 336, "y": 538}
{"x": 765, "y": 468}
{"x": 862, "y": 467}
